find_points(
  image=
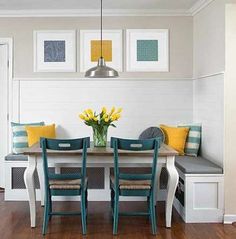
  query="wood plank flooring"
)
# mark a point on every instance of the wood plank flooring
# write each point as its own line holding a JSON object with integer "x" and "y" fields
{"x": 14, "y": 224}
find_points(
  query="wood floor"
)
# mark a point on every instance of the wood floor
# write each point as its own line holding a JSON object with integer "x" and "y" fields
{"x": 14, "y": 224}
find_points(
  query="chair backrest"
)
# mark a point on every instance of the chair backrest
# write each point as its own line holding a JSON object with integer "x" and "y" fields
{"x": 64, "y": 145}
{"x": 135, "y": 145}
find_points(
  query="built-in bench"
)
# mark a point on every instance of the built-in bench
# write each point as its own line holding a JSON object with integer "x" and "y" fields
{"x": 199, "y": 195}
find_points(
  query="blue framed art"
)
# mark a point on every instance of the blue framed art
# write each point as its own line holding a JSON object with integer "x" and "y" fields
{"x": 54, "y": 51}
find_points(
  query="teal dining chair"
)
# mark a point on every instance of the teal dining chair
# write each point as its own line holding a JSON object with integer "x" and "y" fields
{"x": 69, "y": 184}
{"x": 128, "y": 184}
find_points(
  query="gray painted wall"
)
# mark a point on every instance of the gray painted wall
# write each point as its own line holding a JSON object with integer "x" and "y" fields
{"x": 21, "y": 29}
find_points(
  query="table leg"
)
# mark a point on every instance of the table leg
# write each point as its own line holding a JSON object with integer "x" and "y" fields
{"x": 41, "y": 180}
{"x": 173, "y": 178}
{"x": 30, "y": 186}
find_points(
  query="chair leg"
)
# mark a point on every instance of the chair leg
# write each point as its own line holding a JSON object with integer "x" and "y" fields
{"x": 148, "y": 206}
{"x": 83, "y": 212}
{"x": 46, "y": 213}
{"x": 153, "y": 215}
{"x": 116, "y": 213}
{"x": 86, "y": 205}
{"x": 50, "y": 206}
{"x": 86, "y": 199}
{"x": 112, "y": 199}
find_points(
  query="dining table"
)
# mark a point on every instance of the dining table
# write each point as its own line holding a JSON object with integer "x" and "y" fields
{"x": 100, "y": 157}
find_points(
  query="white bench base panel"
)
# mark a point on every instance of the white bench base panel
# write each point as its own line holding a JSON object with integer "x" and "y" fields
{"x": 203, "y": 196}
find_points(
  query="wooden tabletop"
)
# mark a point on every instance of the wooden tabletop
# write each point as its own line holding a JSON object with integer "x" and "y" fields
{"x": 164, "y": 151}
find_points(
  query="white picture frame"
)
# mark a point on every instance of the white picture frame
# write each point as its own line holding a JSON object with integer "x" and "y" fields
{"x": 137, "y": 59}
{"x": 54, "y": 51}
{"x": 86, "y": 36}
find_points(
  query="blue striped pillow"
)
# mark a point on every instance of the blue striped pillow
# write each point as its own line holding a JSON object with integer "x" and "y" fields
{"x": 20, "y": 137}
{"x": 193, "y": 140}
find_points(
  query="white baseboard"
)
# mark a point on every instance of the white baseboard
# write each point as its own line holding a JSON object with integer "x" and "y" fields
{"x": 229, "y": 218}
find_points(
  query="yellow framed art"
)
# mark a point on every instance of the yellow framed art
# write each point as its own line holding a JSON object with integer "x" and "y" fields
{"x": 90, "y": 48}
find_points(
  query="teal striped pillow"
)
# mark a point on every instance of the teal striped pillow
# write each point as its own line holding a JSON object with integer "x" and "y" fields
{"x": 19, "y": 136}
{"x": 193, "y": 140}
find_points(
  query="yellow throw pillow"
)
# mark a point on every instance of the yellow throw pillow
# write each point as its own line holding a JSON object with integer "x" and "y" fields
{"x": 35, "y": 132}
{"x": 175, "y": 137}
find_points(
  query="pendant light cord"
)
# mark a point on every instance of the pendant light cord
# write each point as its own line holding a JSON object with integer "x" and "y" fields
{"x": 101, "y": 30}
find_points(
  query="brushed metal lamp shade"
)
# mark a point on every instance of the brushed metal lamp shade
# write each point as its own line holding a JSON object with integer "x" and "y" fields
{"x": 101, "y": 70}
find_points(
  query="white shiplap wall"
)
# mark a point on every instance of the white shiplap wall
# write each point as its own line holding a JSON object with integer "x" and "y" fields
{"x": 209, "y": 110}
{"x": 145, "y": 103}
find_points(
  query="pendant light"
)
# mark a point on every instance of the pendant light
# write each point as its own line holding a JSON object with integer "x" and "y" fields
{"x": 101, "y": 70}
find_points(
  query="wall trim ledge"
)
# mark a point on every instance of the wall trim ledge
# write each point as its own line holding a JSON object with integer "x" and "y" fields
{"x": 98, "y": 79}
{"x": 93, "y": 12}
{"x": 115, "y": 79}
{"x": 229, "y": 218}
{"x": 209, "y": 75}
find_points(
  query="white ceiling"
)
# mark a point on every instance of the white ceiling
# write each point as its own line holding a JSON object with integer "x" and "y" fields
{"x": 94, "y": 4}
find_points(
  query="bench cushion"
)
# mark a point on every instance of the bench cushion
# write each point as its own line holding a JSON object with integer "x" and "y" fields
{"x": 16, "y": 157}
{"x": 196, "y": 165}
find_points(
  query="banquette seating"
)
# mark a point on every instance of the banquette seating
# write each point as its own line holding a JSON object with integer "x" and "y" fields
{"x": 199, "y": 195}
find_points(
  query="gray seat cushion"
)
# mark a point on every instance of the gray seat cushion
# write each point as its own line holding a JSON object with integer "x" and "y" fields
{"x": 16, "y": 157}
{"x": 196, "y": 165}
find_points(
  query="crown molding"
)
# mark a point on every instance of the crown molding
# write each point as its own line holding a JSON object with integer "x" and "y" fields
{"x": 198, "y": 6}
{"x": 92, "y": 12}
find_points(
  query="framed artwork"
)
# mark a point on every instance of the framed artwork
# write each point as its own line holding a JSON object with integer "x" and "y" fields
{"x": 90, "y": 48}
{"x": 55, "y": 51}
{"x": 147, "y": 50}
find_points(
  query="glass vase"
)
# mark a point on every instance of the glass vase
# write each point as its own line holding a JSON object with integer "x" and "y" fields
{"x": 100, "y": 136}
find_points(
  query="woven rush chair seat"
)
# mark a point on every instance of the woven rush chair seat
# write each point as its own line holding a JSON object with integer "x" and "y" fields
{"x": 132, "y": 184}
{"x": 66, "y": 184}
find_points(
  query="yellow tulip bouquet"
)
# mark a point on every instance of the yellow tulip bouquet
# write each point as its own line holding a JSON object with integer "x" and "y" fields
{"x": 100, "y": 123}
